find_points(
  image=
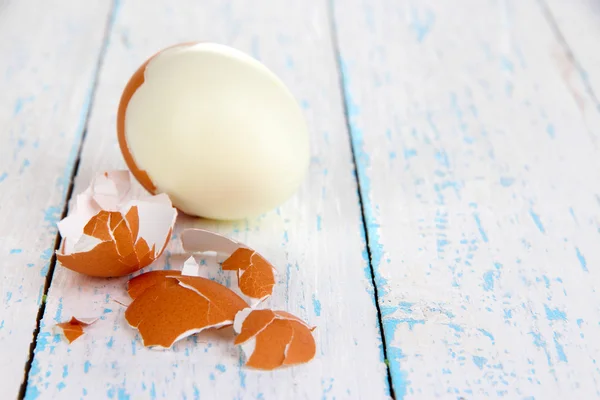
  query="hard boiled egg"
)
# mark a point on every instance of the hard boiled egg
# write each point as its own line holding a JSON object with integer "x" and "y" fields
{"x": 214, "y": 129}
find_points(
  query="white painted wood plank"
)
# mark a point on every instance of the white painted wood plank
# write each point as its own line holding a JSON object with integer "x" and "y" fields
{"x": 480, "y": 177}
{"x": 48, "y": 61}
{"x": 315, "y": 239}
{"x": 578, "y": 23}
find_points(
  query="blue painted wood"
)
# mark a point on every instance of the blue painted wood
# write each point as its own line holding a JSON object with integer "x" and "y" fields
{"x": 476, "y": 152}
{"x": 314, "y": 240}
{"x": 48, "y": 59}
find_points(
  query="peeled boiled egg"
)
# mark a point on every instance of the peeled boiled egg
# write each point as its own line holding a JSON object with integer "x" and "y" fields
{"x": 214, "y": 129}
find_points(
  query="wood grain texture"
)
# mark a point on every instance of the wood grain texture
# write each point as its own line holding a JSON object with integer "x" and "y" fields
{"x": 48, "y": 62}
{"x": 577, "y": 26}
{"x": 479, "y": 170}
{"x": 315, "y": 239}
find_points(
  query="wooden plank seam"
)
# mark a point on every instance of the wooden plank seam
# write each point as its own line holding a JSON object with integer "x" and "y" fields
{"x": 86, "y": 111}
{"x": 569, "y": 52}
{"x": 368, "y": 231}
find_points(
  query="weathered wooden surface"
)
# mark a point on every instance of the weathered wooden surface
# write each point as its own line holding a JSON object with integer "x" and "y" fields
{"x": 315, "y": 239}
{"x": 479, "y": 166}
{"x": 48, "y": 61}
{"x": 474, "y": 127}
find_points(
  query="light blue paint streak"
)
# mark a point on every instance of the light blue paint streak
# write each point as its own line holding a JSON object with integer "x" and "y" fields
{"x": 399, "y": 376}
{"x": 221, "y": 367}
{"x": 488, "y": 281}
{"x": 409, "y": 153}
{"x": 122, "y": 394}
{"x": 541, "y": 343}
{"x": 480, "y": 361}
{"x": 560, "y": 350}
{"x": 486, "y": 333}
{"x": 16, "y": 251}
{"x": 58, "y": 315}
{"x": 546, "y": 281}
{"x": 480, "y": 228}
{"x": 572, "y": 212}
{"x": 551, "y": 131}
{"x": 421, "y": 27}
{"x": 60, "y": 386}
{"x": 537, "y": 221}
{"x": 319, "y": 222}
{"x": 579, "y": 322}
{"x": 35, "y": 368}
{"x": 65, "y": 371}
{"x": 46, "y": 256}
{"x": 32, "y": 392}
{"x": 507, "y": 181}
{"x": 316, "y": 305}
{"x": 3, "y": 176}
{"x": 581, "y": 259}
{"x": 457, "y": 328}
{"x": 506, "y": 64}
{"x": 554, "y": 314}
{"x": 86, "y": 366}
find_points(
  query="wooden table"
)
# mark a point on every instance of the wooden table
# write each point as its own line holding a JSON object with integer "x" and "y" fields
{"x": 445, "y": 242}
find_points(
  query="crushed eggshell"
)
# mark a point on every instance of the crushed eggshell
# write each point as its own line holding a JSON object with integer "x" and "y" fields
{"x": 271, "y": 339}
{"x": 73, "y": 328}
{"x": 110, "y": 233}
{"x": 256, "y": 276}
{"x": 178, "y": 306}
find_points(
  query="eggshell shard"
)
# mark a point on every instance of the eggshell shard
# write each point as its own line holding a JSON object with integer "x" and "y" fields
{"x": 180, "y": 306}
{"x": 139, "y": 284}
{"x": 109, "y": 233}
{"x": 196, "y": 240}
{"x": 272, "y": 339}
{"x": 215, "y": 129}
{"x": 256, "y": 276}
{"x": 73, "y": 329}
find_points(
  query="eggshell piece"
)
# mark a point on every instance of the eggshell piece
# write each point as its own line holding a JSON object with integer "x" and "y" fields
{"x": 139, "y": 284}
{"x": 256, "y": 276}
{"x": 196, "y": 240}
{"x": 110, "y": 233}
{"x": 272, "y": 339}
{"x": 73, "y": 329}
{"x": 167, "y": 312}
{"x": 254, "y": 323}
{"x": 302, "y": 347}
{"x": 271, "y": 344}
{"x": 215, "y": 129}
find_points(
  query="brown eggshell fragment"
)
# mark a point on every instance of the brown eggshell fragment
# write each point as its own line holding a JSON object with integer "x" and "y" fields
{"x": 220, "y": 297}
{"x": 272, "y": 339}
{"x": 302, "y": 347}
{"x": 254, "y": 323}
{"x": 111, "y": 233}
{"x": 256, "y": 276}
{"x": 73, "y": 329}
{"x": 167, "y": 312}
{"x": 139, "y": 284}
{"x": 271, "y": 343}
